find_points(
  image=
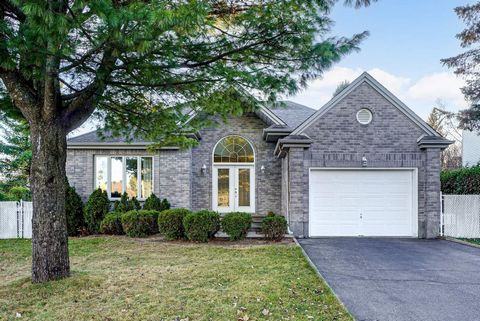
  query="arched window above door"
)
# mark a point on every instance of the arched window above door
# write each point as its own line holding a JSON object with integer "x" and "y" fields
{"x": 233, "y": 149}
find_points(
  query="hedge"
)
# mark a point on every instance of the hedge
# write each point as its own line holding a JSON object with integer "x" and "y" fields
{"x": 97, "y": 206}
{"x": 140, "y": 223}
{"x": 461, "y": 181}
{"x": 112, "y": 224}
{"x": 73, "y": 211}
{"x": 274, "y": 227}
{"x": 170, "y": 223}
{"x": 201, "y": 225}
{"x": 236, "y": 225}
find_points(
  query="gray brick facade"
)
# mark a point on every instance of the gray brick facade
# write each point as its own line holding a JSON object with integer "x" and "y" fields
{"x": 268, "y": 183}
{"x": 394, "y": 139}
{"x": 389, "y": 141}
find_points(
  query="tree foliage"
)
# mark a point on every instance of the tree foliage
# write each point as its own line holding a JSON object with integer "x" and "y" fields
{"x": 466, "y": 64}
{"x": 143, "y": 68}
{"x": 340, "y": 87}
{"x": 141, "y": 63}
{"x": 446, "y": 124}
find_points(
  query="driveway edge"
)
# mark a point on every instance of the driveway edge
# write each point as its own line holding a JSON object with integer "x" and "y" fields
{"x": 452, "y": 239}
{"x": 310, "y": 262}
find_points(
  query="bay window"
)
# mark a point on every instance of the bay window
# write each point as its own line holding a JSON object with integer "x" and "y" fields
{"x": 119, "y": 174}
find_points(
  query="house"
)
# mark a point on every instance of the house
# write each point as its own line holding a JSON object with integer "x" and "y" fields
{"x": 362, "y": 165}
{"x": 470, "y": 148}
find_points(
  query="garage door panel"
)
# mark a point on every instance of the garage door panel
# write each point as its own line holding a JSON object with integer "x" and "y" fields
{"x": 361, "y": 202}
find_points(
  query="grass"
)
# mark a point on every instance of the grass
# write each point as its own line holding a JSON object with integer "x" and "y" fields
{"x": 116, "y": 278}
{"x": 474, "y": 241}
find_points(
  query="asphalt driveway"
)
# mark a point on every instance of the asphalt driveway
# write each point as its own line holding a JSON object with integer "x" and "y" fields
{"x": 400, "y": 279}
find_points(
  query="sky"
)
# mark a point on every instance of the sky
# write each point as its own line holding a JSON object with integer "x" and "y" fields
{"x": 407, "y": 40}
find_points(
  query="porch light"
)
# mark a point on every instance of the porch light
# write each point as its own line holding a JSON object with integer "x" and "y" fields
{"x": 204, "y": 168}
{"x": 364, "y": 161}
{"x": 262, "y": 169}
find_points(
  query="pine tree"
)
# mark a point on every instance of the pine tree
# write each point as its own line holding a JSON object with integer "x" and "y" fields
{"x": 466, "y": 65}
{"x": 139, "y": 65}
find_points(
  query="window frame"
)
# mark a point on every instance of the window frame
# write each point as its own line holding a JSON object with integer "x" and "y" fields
{"x": 124, "y": 174}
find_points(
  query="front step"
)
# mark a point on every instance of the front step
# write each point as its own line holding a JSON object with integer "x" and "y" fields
{"x": 257, "y": 223}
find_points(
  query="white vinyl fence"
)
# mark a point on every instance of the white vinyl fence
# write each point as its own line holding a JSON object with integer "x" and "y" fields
{"x": 15, "y": 220}
{"x": 461, "y": 216}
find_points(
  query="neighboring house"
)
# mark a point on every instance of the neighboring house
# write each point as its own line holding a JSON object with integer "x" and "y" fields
{"x": 470, "y": 148}
{"x": 363, "y": 164}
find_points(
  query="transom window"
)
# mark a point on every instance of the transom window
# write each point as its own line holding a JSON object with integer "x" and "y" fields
{"x": 130, "y": 174}
{"x": 233, "y": 149}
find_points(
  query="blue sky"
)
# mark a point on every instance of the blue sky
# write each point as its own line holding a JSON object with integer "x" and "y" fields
{"x": 407, "y": 40}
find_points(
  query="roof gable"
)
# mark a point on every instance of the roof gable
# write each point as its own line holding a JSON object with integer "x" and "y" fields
{"x": 367, "y": 78}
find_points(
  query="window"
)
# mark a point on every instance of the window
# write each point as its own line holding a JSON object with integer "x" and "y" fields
{"x": 130, "y": 174}
{"x": 233, "y": 149}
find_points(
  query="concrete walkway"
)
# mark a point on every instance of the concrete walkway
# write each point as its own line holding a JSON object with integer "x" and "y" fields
{"x": 400, "y": 279}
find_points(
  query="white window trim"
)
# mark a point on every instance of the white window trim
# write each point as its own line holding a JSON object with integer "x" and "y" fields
{"x": 235, "y": 166}
{"x": 124, "y": 174}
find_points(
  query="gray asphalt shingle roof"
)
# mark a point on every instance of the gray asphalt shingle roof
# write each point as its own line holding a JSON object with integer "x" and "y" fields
{"x": 291, "y": 113}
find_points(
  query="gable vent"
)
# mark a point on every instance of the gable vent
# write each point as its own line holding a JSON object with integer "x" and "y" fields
{"x": 364, "y": 116}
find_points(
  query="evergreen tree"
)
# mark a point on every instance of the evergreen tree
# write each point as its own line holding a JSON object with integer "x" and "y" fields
{"x": 466, "y": 64}
{"x": 138, "y": 65}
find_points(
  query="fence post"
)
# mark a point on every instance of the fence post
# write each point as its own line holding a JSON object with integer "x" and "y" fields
{"x": 442, "y": 232}
{"x": 23, "y": 217}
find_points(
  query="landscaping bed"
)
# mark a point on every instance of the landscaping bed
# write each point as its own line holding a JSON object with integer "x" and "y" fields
{"x": 120, "y": 278}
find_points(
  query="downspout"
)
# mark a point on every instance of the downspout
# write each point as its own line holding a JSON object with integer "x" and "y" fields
{"x": 288, "y": 195}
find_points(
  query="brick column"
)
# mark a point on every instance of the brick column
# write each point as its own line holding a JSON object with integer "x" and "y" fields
{"x": 431, "y": 224}
{"x": 296, "y": 194}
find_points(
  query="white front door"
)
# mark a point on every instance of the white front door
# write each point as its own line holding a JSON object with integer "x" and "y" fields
{"x": 233, "y": 188}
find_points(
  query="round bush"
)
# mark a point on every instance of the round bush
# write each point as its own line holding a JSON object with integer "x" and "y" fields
{"x": 140, "y": 223}
{"x": 95, "y": 210}
{"x": 170, "y": 223}
{"x": 236, "y": 225}
{"x": 112, "y": 224}
{"x": 274, "y": 227}
{"x": 202, "y": 225}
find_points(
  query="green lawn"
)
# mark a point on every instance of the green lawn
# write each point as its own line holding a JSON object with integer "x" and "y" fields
{"x": 474, "y": 241}
{"x": 116, "y": 278}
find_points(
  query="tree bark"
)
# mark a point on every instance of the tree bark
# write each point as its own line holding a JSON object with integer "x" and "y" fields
{"x": 49, "y": 240}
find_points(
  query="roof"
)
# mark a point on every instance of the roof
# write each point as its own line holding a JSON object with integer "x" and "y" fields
{"x": 425, "y": 141}
{"x": 367, "y": 78}
{"x": 284, "y": 115}
{"x": 291, "y": 113}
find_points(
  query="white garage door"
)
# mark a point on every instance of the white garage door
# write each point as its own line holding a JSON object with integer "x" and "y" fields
{"x": 363, "y": 203}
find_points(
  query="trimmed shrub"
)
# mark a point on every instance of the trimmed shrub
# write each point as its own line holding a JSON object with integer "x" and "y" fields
{"x": 126, "y": 204}
{"x": 73, "y": 211}
{"x": 274, "y": 227}
{"x": 140, "y": 223}
{"x": 236, "y": 225}
{"x": 461, "y": 181}
{"x": 95, "y": 210}
{"x": 112, "y": 224}
{"x": 18, "y": 193}
{"x": 170, "y": 223}
{"x": 154, "y": 203}
{"x": 201, "y": 225}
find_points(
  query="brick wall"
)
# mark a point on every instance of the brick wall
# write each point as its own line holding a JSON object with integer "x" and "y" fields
{"x": 268, "y": 184}
{"x": 389, "y": 141}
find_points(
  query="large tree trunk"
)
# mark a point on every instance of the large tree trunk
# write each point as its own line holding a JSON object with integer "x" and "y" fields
{"x": 49, "y": 240}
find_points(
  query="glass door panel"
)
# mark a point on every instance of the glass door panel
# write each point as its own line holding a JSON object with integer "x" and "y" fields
{"x": 244, "y": 187}
{"x": 223, "y": 181}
